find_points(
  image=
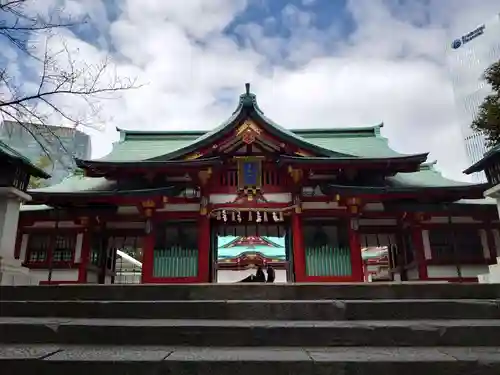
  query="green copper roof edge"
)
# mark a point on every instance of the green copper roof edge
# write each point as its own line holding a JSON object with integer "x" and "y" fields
{"x": 149, "y": 162}
{"x": 248, "y": 252}
{"x": 313, "y": 159}
{"x": 481, "y": 164}
{"x": 392, "y": 189}
{"x": 197, "y": 133}
{"x": 14, "y": 154}
{"x": 247, "y": 101}
{"x": 369, "y": 130}
{"x": 272, "y": 244}
{"x": 102, "y": 193}
{"x": 302, "y": 141}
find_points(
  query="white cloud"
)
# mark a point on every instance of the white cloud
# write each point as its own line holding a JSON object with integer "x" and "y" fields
{"x": 391, "y": 69}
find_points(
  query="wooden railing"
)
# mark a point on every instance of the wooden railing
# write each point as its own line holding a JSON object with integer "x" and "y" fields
{"x": 271, "y": 180}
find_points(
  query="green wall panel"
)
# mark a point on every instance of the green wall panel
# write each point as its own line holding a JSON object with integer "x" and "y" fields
{"x": 328, "y": 261}
{"x": 175, "y": 262}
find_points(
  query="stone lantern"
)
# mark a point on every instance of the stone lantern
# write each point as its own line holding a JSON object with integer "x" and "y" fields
{"x": 16, "y": 172}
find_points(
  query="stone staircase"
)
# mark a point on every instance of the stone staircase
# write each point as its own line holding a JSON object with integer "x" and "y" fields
{"x": 493, "y": 275}
{"x": 251, "y": 329}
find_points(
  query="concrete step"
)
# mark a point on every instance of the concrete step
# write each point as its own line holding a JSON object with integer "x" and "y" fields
{"x": 252, "y": 292}
{"x": 258, "y": 310}
{"x": 56, "y": 360}
{"x": 249, "y": 333}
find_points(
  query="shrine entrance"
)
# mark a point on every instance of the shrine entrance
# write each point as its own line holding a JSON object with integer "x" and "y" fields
{"x": 237, "y": 249}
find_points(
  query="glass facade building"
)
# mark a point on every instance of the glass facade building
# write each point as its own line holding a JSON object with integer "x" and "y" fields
{"x": 468, "y": 57}
{"x": 61, "y": 143}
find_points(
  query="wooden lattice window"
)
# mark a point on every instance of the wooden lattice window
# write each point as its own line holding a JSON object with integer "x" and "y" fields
{"x": 38, "y": 248}
{"x": 462, "y": 244}
{"x": 64, "y": 248}
{"x": 271, "y": 177}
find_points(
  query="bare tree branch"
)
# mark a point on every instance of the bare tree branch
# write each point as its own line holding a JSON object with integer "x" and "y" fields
{"x": 63, "y": 82}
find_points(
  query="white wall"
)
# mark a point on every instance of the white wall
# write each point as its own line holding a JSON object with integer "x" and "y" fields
{"x": 57, "y": 275}
{"x": 451, "y": 270}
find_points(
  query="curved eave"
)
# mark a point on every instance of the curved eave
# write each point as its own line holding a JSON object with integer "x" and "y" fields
{"x": 477, "y": 167}
{"x": 466, "y": 191}
{"x": 280, "y": 132}
{"x": 455, "y": 208}
{"x": 363, "y": 130}
{"x": 14, "y": 157}
{"x": 417, "y": 159}
{"x": 247, "y": 108}
{"x": 154, "y": 164}
{"x": 482, "y": 164}
{"x": 193, "y": 133}
{"x": 89, "y": 194}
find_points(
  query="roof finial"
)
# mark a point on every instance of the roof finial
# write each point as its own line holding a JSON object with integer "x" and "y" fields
{"x": 247, "y": 88}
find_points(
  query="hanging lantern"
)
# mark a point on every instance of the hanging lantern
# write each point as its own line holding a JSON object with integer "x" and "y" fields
{"x": 224, "y": 215}
{"x": 275, "y": 216}
{"x": 239, "y": 217}
{"x": 249, "y": 215}
{"x": 258, "y": 219}
{"x": 265, "y": 216}
{"x": 233, "y": 216}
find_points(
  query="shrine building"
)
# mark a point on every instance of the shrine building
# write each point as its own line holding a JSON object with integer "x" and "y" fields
{"x": 327, "y": 196}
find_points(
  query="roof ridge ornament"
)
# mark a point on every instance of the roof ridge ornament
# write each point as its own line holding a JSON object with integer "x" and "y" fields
{"x": 248, "y": 99}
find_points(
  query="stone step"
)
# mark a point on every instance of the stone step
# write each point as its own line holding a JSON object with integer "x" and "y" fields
{"x": 57, "y": 360}
{"x": 363, "y": 291}
{"x": 249, "y": 333}
{"x": 258, "y": 310}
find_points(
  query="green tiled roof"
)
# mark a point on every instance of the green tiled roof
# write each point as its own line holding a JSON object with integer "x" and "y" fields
{"x": 427, "y": 176}
{"x": 340, "y": 143}
{"x": 365, "y": 142}
{"x": 78, "y": 183}
{"x": 167, "y": 145}
{"x": 17, "y": 157}
{"x": 277, "y": 252}
{"x": 361, "y": 142}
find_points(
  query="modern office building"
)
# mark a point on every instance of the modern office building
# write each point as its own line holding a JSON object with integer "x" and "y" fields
{"x": 61, "y": 143}
{"x": 468, "y": 57}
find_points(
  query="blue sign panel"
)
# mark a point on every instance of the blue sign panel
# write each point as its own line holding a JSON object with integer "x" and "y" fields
{"x": 250, "y": 173}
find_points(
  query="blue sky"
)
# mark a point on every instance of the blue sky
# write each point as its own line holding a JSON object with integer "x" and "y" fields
{"x": 312, "y": 63}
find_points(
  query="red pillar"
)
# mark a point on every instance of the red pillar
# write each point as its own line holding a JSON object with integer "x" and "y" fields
{"x": 85, "y": 257}
{"x": 418, "y": 245}
{"x": 147, "y": 256}
{"x": 357, "y": 265}
{"x": 299, "y": 258}
{"x": 203, "y": 249}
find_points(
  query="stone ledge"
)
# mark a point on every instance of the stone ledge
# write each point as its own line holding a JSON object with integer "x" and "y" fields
{"x": 258, "y": 310}
{"x": 242, "y": 361}
{"x": 222, "y": 333}
{"x": 185, "y": 292}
